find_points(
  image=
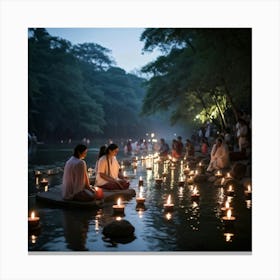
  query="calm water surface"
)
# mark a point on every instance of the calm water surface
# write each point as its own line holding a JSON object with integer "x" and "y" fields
{"x": 191, "y": 227}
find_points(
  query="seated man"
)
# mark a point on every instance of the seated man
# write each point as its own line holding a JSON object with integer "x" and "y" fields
{"x": 75, "y": 183}
{"x": 219, "y": 156}
{"x": 108, "y": 171}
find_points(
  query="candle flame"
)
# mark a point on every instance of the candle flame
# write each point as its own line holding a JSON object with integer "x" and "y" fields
{"x": 249, "y": 188}
{"x": 230, "y": 188}
{"x": 32, "y": 215}
{"x": 140, "y": 178}
{"x": 119, "y": 201}
{"x": 169, "y": 199}
{"x": 227, "y": 204}
{"x": 228, "y": 213}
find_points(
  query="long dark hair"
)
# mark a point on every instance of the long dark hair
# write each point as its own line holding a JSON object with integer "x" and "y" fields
{"x": 79, "y": 149}
{"x": 102, "y": 151}
{"x": 111, "y": 147}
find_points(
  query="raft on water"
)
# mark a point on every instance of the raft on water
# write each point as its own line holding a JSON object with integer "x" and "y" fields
{"x": 54, "y": 197}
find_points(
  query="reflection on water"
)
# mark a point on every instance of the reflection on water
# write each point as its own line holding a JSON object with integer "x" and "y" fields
{"x": 194, "y": 224}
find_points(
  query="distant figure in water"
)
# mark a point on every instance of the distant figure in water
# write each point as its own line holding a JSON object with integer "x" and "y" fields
{"x": 75, "y": 182}
{"x": 108, "y": 171}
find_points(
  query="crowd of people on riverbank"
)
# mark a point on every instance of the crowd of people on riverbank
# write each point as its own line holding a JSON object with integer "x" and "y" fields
{"x": 219, "y": 149}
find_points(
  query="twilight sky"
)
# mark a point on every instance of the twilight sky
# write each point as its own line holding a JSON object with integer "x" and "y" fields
{"x": 124, "y": 43}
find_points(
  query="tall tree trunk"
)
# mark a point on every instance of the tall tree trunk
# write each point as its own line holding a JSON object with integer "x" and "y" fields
{"x": 230, "y": 101}
{"x": 199, "y": 96}
{"x": 220, "y": 110}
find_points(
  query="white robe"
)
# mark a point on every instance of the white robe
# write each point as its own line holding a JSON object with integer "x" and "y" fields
{"x": 73, "y": 180}
{"x": 219, "y": 159}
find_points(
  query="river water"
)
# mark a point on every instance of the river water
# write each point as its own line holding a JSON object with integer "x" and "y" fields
{"x": 193, "y": 226}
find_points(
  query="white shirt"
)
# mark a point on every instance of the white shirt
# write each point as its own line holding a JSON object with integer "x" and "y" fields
{"x": 103, "y": 167}
{"x": 73, "y": 177}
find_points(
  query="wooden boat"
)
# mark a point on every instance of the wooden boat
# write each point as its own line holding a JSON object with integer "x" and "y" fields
{"x": 53, "y": 197}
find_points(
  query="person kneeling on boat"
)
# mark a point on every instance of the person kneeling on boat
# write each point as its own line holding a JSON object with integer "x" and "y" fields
{"x": 75, "y": 183}
{"x": 108, "y": 171}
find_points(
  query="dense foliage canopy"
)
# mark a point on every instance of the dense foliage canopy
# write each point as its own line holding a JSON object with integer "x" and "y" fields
{"x": 203, "y": 75}
{"x": 74, "y": 91}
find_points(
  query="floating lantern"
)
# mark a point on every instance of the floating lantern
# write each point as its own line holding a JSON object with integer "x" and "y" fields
{"x": 168, "y": 206}
{"x": 230, "y": 191}
{"x": 119, "y": 207}
{"x": 140, "y": 199}
{"x": 33, "y": 221}
{"x": 140, "y": 182}
{"x": 228, "y": 219}
{"x": 248, "y": 192}
{"x": 228, "y": 176}
{"x": 218, "y": 174}
{"x": 44, "y": 183}
{"x": 228, "y": 236}
{"x": 226, "y": 207}
{"x": 195, "y": 195}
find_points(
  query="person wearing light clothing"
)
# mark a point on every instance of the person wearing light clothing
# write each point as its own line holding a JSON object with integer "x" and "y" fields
{"x": 75, "y": 182}
{"x": 108, "y": 171}
{"x": 219, "y": 156}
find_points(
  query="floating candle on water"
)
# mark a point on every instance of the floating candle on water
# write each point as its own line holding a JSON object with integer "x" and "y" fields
{"x": 228, "y": 176}
{"x": 226, "y": 207}
{"x": 248, "y": 192}
{"x": 33, "y": 221}
{"x": 140, "y": 199}
{"x": 230, "y": 191}
{"x": 168, "y": 206}
{"x": 218, "y": 174}
{"x": 195, "y": 194}
{"x": 228, "y": 219}
{"x": 118, "y": 208}
{"x": 228, "y": 236}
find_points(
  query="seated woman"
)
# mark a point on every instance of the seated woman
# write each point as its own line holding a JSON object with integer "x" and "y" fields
{"x": 75, "y": 182}
{"x": 219, "y": 156}
{"x": 108, "y": 171}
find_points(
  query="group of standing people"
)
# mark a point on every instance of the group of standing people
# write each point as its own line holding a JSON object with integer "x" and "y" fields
{"x": 75, "y": 183}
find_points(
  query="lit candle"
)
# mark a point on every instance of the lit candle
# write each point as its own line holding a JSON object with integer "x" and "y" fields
{"x": 248, "y": 192}
{"x": 33, "y": 221}
{"x": 168, "y": 206}
{"x": 228, "y": 219}
{"x": 118, "y": 208}
{"x": 195, "y": 195}
{"x": 226, "y": 207}
{"x": 140, "y": 199}
{"x": 229, "y": 216}
{"x": 230, "y": 191}
{"x": 228, "y": 175}
{"x": 228, "y": 236}
{"x": 125, "y": 175}
{"x": 218, "y": 174}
